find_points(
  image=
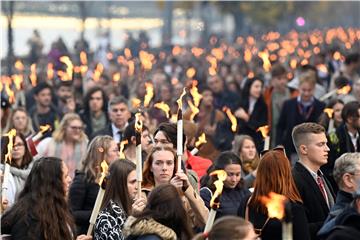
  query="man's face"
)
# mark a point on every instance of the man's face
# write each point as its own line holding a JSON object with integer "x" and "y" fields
{"x": 216, "y": 84}
{"x": 280, "y": 82}
{"x": 96, "y": 102}
{"x": 354, "y": 121}
{"x": 119, "y": 114}
{"x": 64, "y": 92}
{"x": 316, "y": 149}
{"x": 306, "y": 91}
{"x": 43, "y": 98}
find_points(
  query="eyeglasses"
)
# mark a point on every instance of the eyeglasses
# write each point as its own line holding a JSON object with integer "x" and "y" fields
{"x": 76, "y": 128}
{"x": 279, "y": 148}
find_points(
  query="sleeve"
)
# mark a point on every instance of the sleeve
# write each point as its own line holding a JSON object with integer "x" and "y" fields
{"x": 195, "y": 207}
{"x": 300, "y": 223}
{"x": 109, "y": 227}
{"x": 281, "y": 125}
{"x": 205, "y": 194}
{"x": 77, "y": 196}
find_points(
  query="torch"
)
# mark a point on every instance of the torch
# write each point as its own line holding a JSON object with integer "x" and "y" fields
{"x": 330, "y": 112}
{"x": 8, "y": 157}
{"x": 215, "y": 199}
{"x": 164, "y": 107}
{"x": 279, "y": 207}
{"x": 99, "y": 197}
{"x": 32, "y": 141}
{"x": 138, "y": 130}
{"x": 231, "y": 117}
{"x": 180, "y": 130}
{"x": 121, "y": 149}
{"x": 264, "y": 132}
{"x": 201, "y": 140}
{"x": 344, "y": 90}
{"x": 149, "y": 94}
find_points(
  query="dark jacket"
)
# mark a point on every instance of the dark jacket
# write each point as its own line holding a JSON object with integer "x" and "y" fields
{"x": 230, "y": 200}
{"x": 272, "y": 230}
{"x": 86, "y": 118}
{"x": 316, "y": 208}
{"x": 290, "y": 116}
{"x": 343, "y": 142}
{"x": 226, "y": 99}
{"x": 82, "y": 197}
{"x": 105, "y": 131}
{"x": 343, "y": 199}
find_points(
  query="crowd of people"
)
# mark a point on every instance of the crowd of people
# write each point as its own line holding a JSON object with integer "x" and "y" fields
{"x": 304, "y": 88}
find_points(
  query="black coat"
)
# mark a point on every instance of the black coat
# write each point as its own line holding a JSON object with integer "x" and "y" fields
{"x": 86, "y": 118}
{"x": 290, "y": 116}
{"x": 82, "y": 197}
{"x": 316, "y": 208}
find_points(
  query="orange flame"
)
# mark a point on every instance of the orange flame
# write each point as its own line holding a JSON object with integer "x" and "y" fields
{"x": 218, "y": 53}
{"x": 176, "y": 50}
{"x": 219, "y": 184}
{"x": 293, "y": 63}
{"x": 135, "y": 102}
{"x": 131, "y": 66}
{"x": 190, "y": 73}
{"x": 83, "y": 58}
{"x": 164, "y": 107}
{"x": 266, "y": 62}
{"x": 11, "y": 134}
{"x": 195, "y": 94}
{"x": 275, "y": 205}
{"x": 264, "y": 130}
{"x": 116, "y": 77}
{"x": 201, "y": 140}
{"x": 104, "y": 170}
{"x": 247, "y": 55}
{"x": 44, "y": 128}
{"x": 50, "y": 71}
{"x": 138, "y": 122}
{"x": 18, "y": 80}
{"x": 212, "y": 71}
{"x": 19, "y": 65}
{"x": 122, "y": 146}
{"x": 149, "y": 94}
{"x": 329, "y": 112}
{"x": 194, "y": 110}
{"x": 179, "y": 101}
{"x": 146, "y": 59}
{"x": 10, "y": 93}
{"x": 322, "y": 68}
{"x": 33, "y": 77}
{"x": 232, "y": 118}
{"x": 197, "y": 52}
{"x": 98, "y": 71}
{"x": 69, "y": 68}
{"x": 344, "y": 90}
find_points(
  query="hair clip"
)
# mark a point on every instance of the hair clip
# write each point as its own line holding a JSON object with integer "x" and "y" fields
{"x": 100, "y": 149}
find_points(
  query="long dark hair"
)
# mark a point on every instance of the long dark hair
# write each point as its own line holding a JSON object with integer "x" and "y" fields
{"x": 116, "y": 186}
{"x": 87, "y": 98}
{"x": 245, "y": 94}
{"x": 44, "y": 198}
{"x": 165, "y": 206}
{"x": 27, "y": 158}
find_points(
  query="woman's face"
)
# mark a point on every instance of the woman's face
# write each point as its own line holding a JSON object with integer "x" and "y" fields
{"x": 233, "y": 175}
{"x": 145, "y": 141}
{"x": 74, "y": 130}
{"x": 20, "y": 121}
{"x": 255, "y": 89}
{"x": 162, "y": 166}
{"x": 248, "y": 150}
{"x": 161, "y": 140}
{"x": 66, "y": 179}
{"x": 18, "y": 151}
{"x": 337, "y": 112}
{"x": 112, "y": 153}
{"x": 131, "y": 184}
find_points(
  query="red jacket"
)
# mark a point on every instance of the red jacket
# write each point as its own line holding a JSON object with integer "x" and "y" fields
{"x": 198, "y": 164}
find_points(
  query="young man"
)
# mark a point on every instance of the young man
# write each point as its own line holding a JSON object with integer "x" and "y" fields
{"x": 311, "y": 145}
{"x": 304, "y": 108}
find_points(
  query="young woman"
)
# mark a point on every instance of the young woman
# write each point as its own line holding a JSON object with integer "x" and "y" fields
{"x": 233, "y": 192}
{"x": 244, "y": 147}
{"x": 164, "y": 217}
{"x": 41, "y": 211}
{"x": 336, "y": 105}
{"x": 252, "y": 113}
{"x": 84, "y": 189}
{"x": 274, "y": 175}
{"x": 119, "y": 201}
{"x": 67, "y": 142}
{"x": 161, "y": 168}
{"x": 20, "y": 120}
{"x": 20, "y": 166}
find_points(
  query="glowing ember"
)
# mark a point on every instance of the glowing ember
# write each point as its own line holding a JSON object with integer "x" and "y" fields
{"x": 232, "y": 118}
{"x": 275, "y": 205}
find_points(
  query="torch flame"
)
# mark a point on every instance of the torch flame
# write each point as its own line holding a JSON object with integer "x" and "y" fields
{"x": 329, "y": 112}
{"x": 83, "y": 58}
{"x": 50, "y": 71}
{"x": 98, "y": 71}
{"x": 149, "y": 94}
{"x": 138, "y": 122}
{"x": 135, "y": 102}
{"x": 18, "y": 79}
{"x": 264, "y": 130}
{"x": 190, "y": 73}
{"x": 19, "y": 65}
{"x": 163, "y": 106}
{"x": 179, "y": 101}
{"x": 104, "y": 170}
{"x": 33, "y": 77}
{"x": 146, "y": 59}
{"x": 11, "y": 134}
{"x": 275, "y": 205}
{"x": 122, "y": 146}
{"x": 219, "y": 184}
{"x": 116, "y": 77}
{"x": 194, "y": 110}
{"x": 231, "y": 117}
{"x": 195, "y": 94}
{"x": 201, "y": 140}
{"x": 10, "y": 93}
{"x": 266, "y": 62}
{"x": 44, "y": 128}
{"x": 69, "y": 68}
{"x": 344, "y": 90}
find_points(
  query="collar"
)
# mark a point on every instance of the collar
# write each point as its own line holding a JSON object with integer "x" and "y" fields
{"x": 313, "y": 174}
{"x": 115, "y": 129}
{"x": 306, "y": 104}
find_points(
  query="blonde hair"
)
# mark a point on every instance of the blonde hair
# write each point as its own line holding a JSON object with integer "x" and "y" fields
{"x": 59, "y": 133}
{"x": 10, "y": 124}
{"x": 308, "y": 77}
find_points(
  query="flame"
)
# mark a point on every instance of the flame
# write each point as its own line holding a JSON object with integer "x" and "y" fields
{"x": 176, "y": 50}
{"x": 218, "y": 53}
{"x": 131, "y": 66}
{"x": 44, "y": 128}
{"x": 219, "y": 184}
{"x": 213, "y": 62}
{"x": 212, "y": 71}
{"x": 18, "y": 80}
{"x": 19, "y": 65}
{"x": 275, "y": 205}
{"x": 9, "y": 91}
{"x": 247, "y": 55}
{"x": 135, "y": 102}
{"x": 195, "y": 93}
{"x": 197, "y": 52}
{"x": 344, "y": 90}
{"x": 127, "y": 53}
{"x": 116, "y": 77}
{"x": 194, "y": 110}
{"x": 266, "y": 62}
{"x": 329, "y": 112}
{"x": 69, "y": 68}
{"x": 179, "y": 101}
{"x": 11, "y": 134}
{"x": 201, "y": 140}
{"x": 337, "y": 55}
{"x": 293, "y": 63}
{"x": 104, "y": 170}
{"x": 264, "y": 130}
{"x": 146, "y": 59}
{"x": 322, "y": 68}
{"x": 138, "y": 122}
{"x": 98, "y": 71}
{"x": 83, "y": 58}
{"x": 122, "y": 146}
{"x": 163, "y": 106}
{"x": 33, "y": 77}
{"x": 190, "y": 73}
{"x": 232, "y": 118}
{"x": 50, "y": 71}
{"x": 149, "y": 94}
